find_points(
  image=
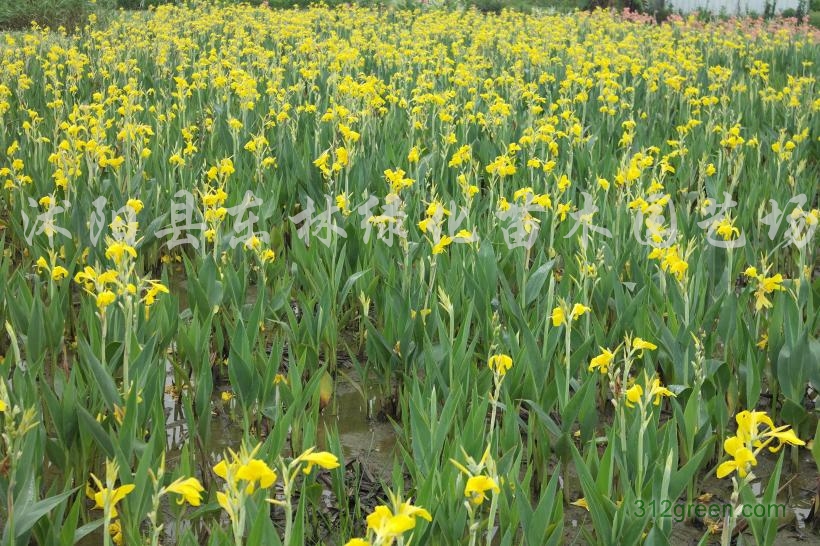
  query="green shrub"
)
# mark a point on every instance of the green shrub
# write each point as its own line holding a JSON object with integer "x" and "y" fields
{"x": 814, "y": 19}
{"x": 17, "y": 14}
{"x": 138, "y": 4}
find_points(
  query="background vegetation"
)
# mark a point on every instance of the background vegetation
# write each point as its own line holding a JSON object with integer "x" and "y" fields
{"x": 131, "y": 366}
{"x": 70, "y": 14}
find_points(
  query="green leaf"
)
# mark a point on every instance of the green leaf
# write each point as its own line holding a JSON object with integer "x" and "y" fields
{"x": 35, "y": 344}
{"x": 91, "y": 425}
{"x": 27, "y": 516}
{"x": 349, "y": 284}
{"x": 680, "y": 478}
{"x": 764, "y": 528}
{"x": 101, "y": 376}
{"x": 536, "y": 282}
{"x": 793, "y": 364}
{"x": 601, "y": 508}
{"x": 87, "y": 529}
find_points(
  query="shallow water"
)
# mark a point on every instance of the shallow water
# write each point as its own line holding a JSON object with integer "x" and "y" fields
{"x": 363, "y": 437}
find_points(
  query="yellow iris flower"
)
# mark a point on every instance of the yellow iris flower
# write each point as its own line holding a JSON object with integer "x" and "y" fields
{"x": 111, "y": 497}
{"x": 189, "y": 489}
{"x": 602, "y": 361}
{"x": 477, "y": 487}
{"x": 755, "y": 431}
{"x": 500, "y": 363}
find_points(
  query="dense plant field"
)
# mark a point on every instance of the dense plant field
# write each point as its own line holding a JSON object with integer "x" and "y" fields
{"x": 568, "y": 263}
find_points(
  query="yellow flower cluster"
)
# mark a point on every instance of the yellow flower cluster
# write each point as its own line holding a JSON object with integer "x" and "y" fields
{"x": 755, "y": 431}
{"x": 214, "y": 213}
{"x": 656, "y": 391}
{"x": 560, "y": 313}
{"x": 500, "y": 364}
{"x": 57, "y": 272}
{"x": 671, "y": 260}
{"x": 765, "y": 286}
{"x": 387, "y": 523}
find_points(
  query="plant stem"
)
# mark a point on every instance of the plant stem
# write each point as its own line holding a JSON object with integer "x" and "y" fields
{"x": 473, "y": 527}
{"x": 126, "y": 352}
{"x": 491, "y": 520}
{"x": 567, "y": 349}
{"x": 494, "y": 402}
{"x": 639, "y": 477}
{"x": 103, "y": 333}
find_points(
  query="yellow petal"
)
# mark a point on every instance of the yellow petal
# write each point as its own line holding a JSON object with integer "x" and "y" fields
{"x": 726, "y": 468}
{"x": 221, "y": 469}
{"x": 323, "y": 459}
{"x": 189, "y": 489}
